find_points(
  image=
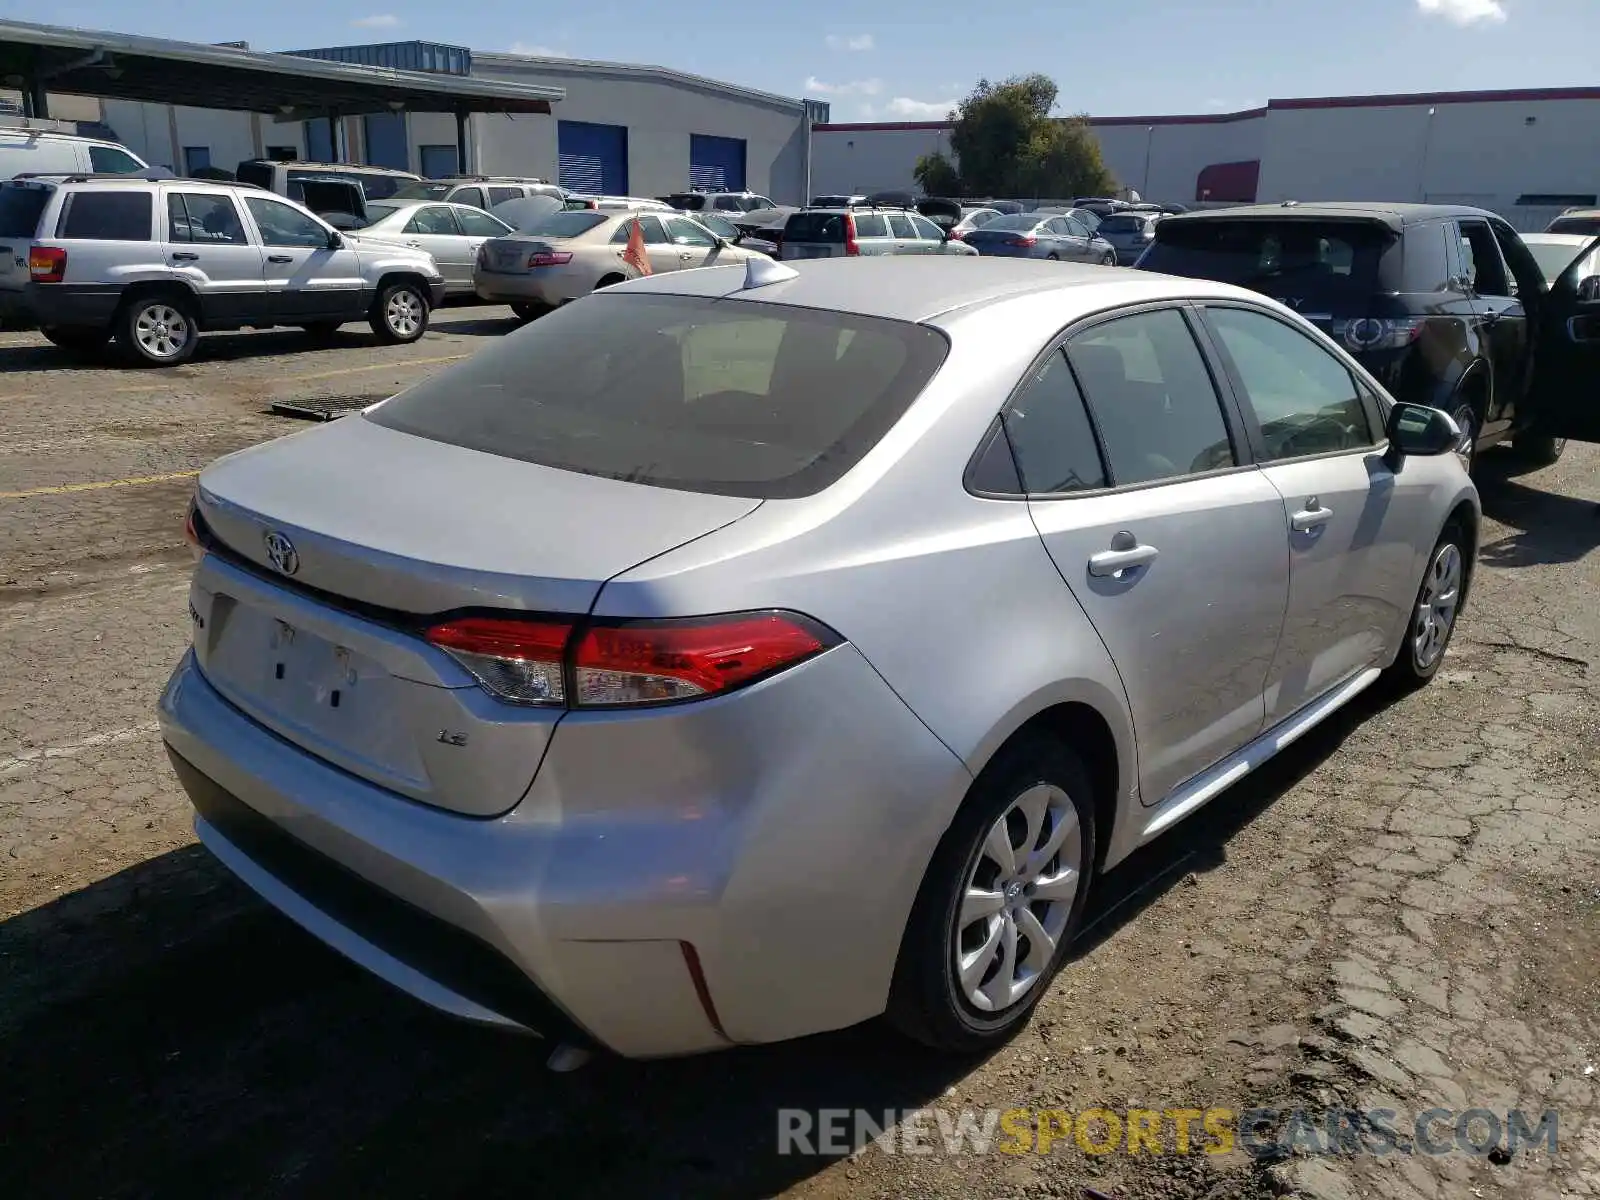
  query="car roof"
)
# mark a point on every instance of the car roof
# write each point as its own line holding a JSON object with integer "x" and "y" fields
{"x": 323, "y": 166}
{"x": 1395, "y": 216}
{"x": 1558, "y": 239}
{"x": 915, "y": 287}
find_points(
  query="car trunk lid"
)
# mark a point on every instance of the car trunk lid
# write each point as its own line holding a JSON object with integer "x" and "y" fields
{"x": 337, "y": 547}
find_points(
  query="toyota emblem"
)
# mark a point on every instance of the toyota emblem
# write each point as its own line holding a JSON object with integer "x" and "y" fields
{"x": 281, "y": 552}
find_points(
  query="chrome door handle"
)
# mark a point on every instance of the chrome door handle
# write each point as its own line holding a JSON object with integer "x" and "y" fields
{"x": 184, "y": 256}
{"x": 415, "y": 245}
{"x": 1111, "y": 562}
{"x": 1312, "y": 516}
{"x": 280, "y": 258}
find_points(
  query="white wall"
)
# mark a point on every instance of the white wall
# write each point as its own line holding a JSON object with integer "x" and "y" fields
{"x": 659, "y": 114}
{"x": 1176, "y": 152}
{"x": 868, "y": 158}
{"x": 158, "y": 132}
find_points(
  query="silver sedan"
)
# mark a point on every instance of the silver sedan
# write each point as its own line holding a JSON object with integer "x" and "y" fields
{"x": 1060, "y": 237}
{"x": 451, "y": 233}
{"x": 740, "y": 653}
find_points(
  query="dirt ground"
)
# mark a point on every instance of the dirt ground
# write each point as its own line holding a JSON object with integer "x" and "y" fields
{"x": 1402, "y": 912}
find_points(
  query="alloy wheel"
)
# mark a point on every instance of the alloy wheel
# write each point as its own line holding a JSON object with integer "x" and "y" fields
{"x": 1018, "y": 899}
{"x": 162, "y": 330}
{"x": 403, "y": 313}
{"x": 1437, "y": 606}
{"x": 1467, "y": 421}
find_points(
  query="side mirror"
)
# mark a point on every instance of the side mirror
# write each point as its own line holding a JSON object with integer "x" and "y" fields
{"x": 335, "y": 240}
{"x": 1420, "y": 430}
{"x": 1589, "y": 289}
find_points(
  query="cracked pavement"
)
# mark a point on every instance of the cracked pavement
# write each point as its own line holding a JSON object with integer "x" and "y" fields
{"x": 1400, "y": 913}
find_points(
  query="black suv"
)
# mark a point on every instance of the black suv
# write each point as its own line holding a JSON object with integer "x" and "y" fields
{"x": 1444, "y": 305}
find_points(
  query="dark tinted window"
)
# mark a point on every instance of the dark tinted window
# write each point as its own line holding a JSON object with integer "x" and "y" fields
{"x": 20, "y": 209}
{"x": 1122, "y": 224}
{"x": 420, "y": 191}
{"x": 899, "y": 225}
{"x": 688, "y": 201}
{"x": 752, "y": 399}
{"x": 110, "y": 160}
{"x": 380, "y": 187}
{"x": 1051, "y": 434}
{"x": 871, "y": 225}
{"x": 204, "y": 217}
{"x": 1589, "y": 225}
{"x": 258, "y": 173}
{"x": 1427, "y": 263}
{"x": 815, "y": 227}
{"x": 499, "y": 195}
{"x": 1320, "y": 263}
{"x": 119, "y": 216}
{"x": 569, "y": 223}
{"x": 469, "y": 195}
{"x": 1152, "y": 396}
{"x": 1481, "y": 260}
{"x": 433, "y": 219}
{"x": 1303, "y": 397}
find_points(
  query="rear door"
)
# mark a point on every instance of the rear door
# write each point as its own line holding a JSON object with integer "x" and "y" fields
{"x": 207, "y": 245}
{"x": 307, "y": 278}
{"x": 478, "y": 227}
{"x": 1564, "y": 400}
{"x": 663, "y": 255}
{"x": 1174, "y": 548}
{"x": 433, "y": 227}
{"x": 1353, "y": 526}
{"x": 1496, "y": 298}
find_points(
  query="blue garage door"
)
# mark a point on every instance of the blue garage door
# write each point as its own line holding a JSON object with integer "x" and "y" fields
{"x": 319, "y": 140}
{"x": 593, "y": 158}
{"x": 716, "y": 164}
{"x": 386, "y": 141}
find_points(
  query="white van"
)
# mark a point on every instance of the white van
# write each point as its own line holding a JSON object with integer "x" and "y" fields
{"x": 37, "y": 152}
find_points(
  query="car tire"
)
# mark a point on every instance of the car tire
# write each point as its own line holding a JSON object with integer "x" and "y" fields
{"x": 400, "y": 313}
{"x": 1108, "y": 260}
{"x": 322, "y": 331}
{"x": 1053, "y": 257}
{"x": 158, "y": 329}
{"x": 1435, "y": 612}
{"x": 1467, "y": 412}
{"x": 930, "y": 1001}
{"x": 608, "y": 280}
{"x": 79, "y": 339}
{"x": 526, "y": 311}
{"x": 1537, "y": 449}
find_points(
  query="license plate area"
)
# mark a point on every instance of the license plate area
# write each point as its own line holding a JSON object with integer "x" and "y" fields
{"x": 507, "y": 258}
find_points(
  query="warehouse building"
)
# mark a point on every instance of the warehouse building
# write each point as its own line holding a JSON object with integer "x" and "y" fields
{"x": 1526, "y": 154}
{"x": 619, "y": 129}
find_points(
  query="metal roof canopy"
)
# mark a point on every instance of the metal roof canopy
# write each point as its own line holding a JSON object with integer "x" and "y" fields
{"x": 121, "y": 66}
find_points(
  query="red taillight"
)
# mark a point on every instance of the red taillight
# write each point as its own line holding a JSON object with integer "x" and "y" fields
{"x": 549, "y": 258}
{"x": 615, "y": 664}
{"x": 47, "y": 264}
{"x": 851, "y": 246}
{"x": 958, "y": 235}
{"x": 191, "y": 534}
{"x": 1022, "y": 241}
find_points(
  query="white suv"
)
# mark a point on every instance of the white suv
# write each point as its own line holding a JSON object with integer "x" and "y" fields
{"x": 153, "y": 262}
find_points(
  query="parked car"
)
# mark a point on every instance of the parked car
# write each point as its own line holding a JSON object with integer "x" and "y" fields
{"x": 153, "y": 263}
{"x": 451, "y": 233}
{"x": 573, "y": 677}
{"x": 727, "y": 230}
{"x": 723, "y": 202}
{"x": 1576, "y": 220}
{"x": 972, "y": 218}
{"x": 848, "y": 232}
{"x": 480, "y": 191}
{"x": 1555, "y": 252}
{"x": 1101, "y": 206}
{"x": 572, "y": 253}
{"x": 1445, "y": 305}
{"x": 1086, "y": 217}
{"x": 336, "y": 192}
{"x": 1129, "y": 233}
{"x": 37, "y": 152}
{"x": 1028, "y": 235}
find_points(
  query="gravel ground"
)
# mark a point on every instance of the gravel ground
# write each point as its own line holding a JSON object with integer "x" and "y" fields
{"x": 1402, "y": 912}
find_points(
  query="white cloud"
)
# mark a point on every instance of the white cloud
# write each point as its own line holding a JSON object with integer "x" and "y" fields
{"x": 532, "y": 50}
{"x": 904, "y": 106}
{"x": 1464, "y": 12}
{"x": 376, "y": 21}
{"x": 855, "y": 41}
{"x": 856, "y": 87}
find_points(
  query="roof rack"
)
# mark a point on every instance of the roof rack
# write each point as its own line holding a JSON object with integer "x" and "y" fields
{"x": 148, "y": 176}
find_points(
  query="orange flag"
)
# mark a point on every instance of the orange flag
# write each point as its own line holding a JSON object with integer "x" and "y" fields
{"x": 635, "y": 255}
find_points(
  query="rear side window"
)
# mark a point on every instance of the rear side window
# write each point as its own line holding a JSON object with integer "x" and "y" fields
{"x": 109, "y": 160}
{"x": 1317, "y": 263}
{"x": 871, "y": 225}
{"x": 1152, "y": 396}
{"x": 21, "y": 208}
{"x": 816, "y": 227}
{"x": 108, "y": 216}
{"x": 1051, "y": 435}
{"x": 499, "y": 195}
{"x": 750, "y": 399}
{"x": 899, "y": 225}
{"x": 1427, "y": 260}
{"x": 379, "y": 187}
{"x": 468, "y": 195}
{"x": 258, "y": 173}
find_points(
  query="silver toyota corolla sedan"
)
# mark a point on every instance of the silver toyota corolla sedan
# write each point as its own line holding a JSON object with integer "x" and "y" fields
{"x": 741, "y": 653}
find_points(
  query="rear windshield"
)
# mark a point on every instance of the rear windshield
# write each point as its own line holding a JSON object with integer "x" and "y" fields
{"x": 1122, "y": 224}
{"x": 20, "y": 209}
{"x": 258, "y": 173}
{"x": 754, "y": 399}
{"x": 688, "y": 201}
{"x": 1021, "y": 221}
{"x": 1575, "y": 225}
{"x": 377, "y": 212}
{"x": 814, "y": 227}
{"x": 1316, "y": 261}
{"x": 567, "y": 223}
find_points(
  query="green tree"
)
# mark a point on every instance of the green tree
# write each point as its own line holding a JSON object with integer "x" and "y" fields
{"x": 1007, "y": 144}
{"x": 937, "y": 175}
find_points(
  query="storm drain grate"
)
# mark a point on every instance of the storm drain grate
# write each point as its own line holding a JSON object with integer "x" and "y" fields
{"x": 323, "y": 408}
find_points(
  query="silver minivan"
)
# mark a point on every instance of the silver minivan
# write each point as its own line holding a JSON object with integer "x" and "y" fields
{"x": 847, "y": 232}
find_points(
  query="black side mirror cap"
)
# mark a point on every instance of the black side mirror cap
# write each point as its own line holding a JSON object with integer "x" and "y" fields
{"x": 1417, "y": 429}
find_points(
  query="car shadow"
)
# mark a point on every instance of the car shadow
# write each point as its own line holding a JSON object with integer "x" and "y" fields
{"x": 1547, "y": 527}
{"x": 162, "y": 1031}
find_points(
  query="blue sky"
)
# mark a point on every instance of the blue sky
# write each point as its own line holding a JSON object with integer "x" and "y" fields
{"x": 908, "y": 61}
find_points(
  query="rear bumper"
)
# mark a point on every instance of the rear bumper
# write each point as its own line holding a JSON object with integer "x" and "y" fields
{"x": 540, "y": 286}
{"x": 780, "y": 833}
{"x": 57, "y": 304}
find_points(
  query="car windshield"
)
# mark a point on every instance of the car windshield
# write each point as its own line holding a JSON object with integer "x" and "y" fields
{"x": 752, "y": 399}
{"x": 377, "y": 212}
{"x": 1021, "y": 221}
{"x": 1309, "y": 261}
{"x": 423, "y": 191}
{"x": 568, "y": 223}
{"x": 1554, "y": 257}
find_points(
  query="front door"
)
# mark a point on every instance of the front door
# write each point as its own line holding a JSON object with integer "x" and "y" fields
{"x": 1353, "y": 525}
{"x": 309, "y": 278}
{"x": 206, "y": 245}
{"x": 1503, "y": 320}
{"x": 1565, "y": 397}
{"x": 1182, "y": 568}
{"x": 1081, "y": 239}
